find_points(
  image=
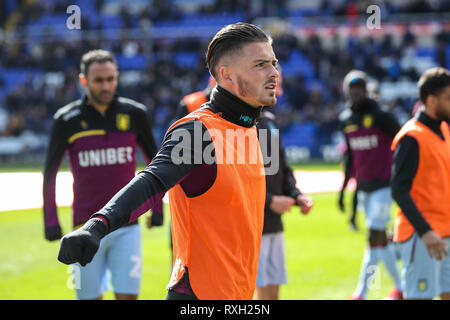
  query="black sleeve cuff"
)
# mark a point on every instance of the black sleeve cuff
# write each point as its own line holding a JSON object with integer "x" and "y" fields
{"x": 295, "y": 193}
{"x": 96, "y": 227}
{"x": 157, "y": 219}
{"x": 53, "y": 233}
{"x": 422, "y": 228}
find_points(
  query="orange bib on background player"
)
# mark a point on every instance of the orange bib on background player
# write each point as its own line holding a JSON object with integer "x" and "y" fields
{"x": 217, "y": 235}
{"x": 194, "y": 100}
{"x": 430, "y": 189}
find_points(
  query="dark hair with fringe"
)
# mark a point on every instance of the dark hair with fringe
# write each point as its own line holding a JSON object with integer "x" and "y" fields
{"x": 99, "y": 56}
{"x": 432, "y": 82}
{"x": 230, "y": 39}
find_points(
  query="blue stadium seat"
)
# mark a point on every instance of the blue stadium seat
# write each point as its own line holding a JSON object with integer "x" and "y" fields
{"x": 298, "y": 63}
{"x": 315, "y": 84}
{"x": 426, "y": 52}
{"x": 448, "y": 57}
{"x": 186, "y": 59}
{"x": 87, "y": 5}
{"x": 12, "y": 77}
{"x": 111, "y": 22}
{"x": 10, "y": 6}
{"x": 305, "y": 12}
{"x": 300, "y": 134}
{"x": 138, "y": 62}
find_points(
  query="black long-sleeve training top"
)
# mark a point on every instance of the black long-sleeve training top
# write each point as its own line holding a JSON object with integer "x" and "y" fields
{"x": 195, "y": 177}
{"x": 404, "y": 169}
{"x": 283, "y": 181}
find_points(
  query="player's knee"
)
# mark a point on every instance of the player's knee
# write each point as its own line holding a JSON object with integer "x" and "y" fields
{"x": 377, "y": 238}
{"x": 125, "y": 296}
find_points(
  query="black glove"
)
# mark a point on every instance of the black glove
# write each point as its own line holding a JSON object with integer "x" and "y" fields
{"x": 82, "y": 244}
{"x": 53, "y": 233}
{"x": 341, "y": 201}
{"x": 157, "y": 219}
{"x": 154, "y": 219}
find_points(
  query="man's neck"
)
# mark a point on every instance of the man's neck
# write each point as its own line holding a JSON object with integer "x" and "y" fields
{"x": 237, "y": 95}
{"x": 432, "y": 123}
{"x": 430, "y": 114}
{"x": 234, "y": 109}
{"x": 101, "y": 108}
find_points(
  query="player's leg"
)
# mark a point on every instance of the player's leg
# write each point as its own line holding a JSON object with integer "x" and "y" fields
{"x": 420, "y": 273}
{"x": 445, "y": 296}
{"x": 386, "y": 253}
{"x": 370, "y": 260}
{"x": 389, "y": 257}
{"x": 367, "y": 273}
{"x": 277, "y": 269}
{"x": 124, "y": 296}
{"x": 353, "y": 225}
{"x": 91, "y": 280}
{"x": 274, "y": 267}
{"x": 269, "y": 292}
{"x": 444, "y": 276}
{"x": 380, "y": 207}
{"x": 124, "y": 260}
{"x": 261, "y": 276}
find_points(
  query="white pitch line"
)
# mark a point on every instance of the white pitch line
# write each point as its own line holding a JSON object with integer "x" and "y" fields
{"x": 23, "y": 190}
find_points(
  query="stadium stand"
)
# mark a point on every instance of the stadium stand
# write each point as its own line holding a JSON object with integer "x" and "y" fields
{"x": 160, "y": 45}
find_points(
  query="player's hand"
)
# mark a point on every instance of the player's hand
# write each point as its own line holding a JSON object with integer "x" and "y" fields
{"x": 341, "y": 202}
{"x": 157, "y": 219}
{"x": 281, "y": 204}
{"x": 154, "y": 219}
{"x": 53, "y": 233}
{"x": 148, "y": 219}
{"x": 82, "y": 244}
{"x": 305, "y": 203}
{"x": 437, "y": 248}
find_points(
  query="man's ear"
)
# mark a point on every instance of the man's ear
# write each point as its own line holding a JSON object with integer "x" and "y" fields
{"x": 431, "y": 101}
{"x": 83, "y": 80}
{"x": 226, "y": 74}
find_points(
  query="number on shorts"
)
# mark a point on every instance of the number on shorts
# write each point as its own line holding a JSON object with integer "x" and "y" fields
{"x": 136, "y": 271}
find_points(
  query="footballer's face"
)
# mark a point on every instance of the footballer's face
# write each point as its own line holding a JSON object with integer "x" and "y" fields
{"x": 101, "y": 82}
{"x": 356, "y": 93}
{"x": 252, "y": 74}
{"x": 443, "y": 105}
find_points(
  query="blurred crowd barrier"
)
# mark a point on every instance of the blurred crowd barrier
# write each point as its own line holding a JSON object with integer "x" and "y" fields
{"x": 160, "y": 47}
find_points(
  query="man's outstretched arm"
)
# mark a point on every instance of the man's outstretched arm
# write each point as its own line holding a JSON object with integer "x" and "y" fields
{"x": 137, "y": 197}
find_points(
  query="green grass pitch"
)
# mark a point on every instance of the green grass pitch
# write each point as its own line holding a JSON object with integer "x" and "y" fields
{"x": 323, "y": 256}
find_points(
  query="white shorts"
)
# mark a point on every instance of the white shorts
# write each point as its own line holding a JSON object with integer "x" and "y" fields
{"x": 272, "y": 264}
{"x": 377, "y": 207}
{"x": 120, "y": 254}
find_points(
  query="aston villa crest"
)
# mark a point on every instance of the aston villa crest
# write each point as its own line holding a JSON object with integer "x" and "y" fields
{"x": 123, "y": 121}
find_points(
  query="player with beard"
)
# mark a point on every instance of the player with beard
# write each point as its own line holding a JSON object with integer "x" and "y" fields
{"x": 369, "y": 132}
{"x": 100, "y": 132}
{"x": 217, "y": 207}
{"x": 421, "y": 187}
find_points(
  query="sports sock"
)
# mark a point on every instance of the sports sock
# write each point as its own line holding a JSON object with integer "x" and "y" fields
{"x": 387, "y": 254}
{"x": 368, "y": 269}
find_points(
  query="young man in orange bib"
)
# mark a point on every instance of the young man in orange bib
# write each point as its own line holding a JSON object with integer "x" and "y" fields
{"x": 421, "y": 187}
{"x": 216, "y": 180}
